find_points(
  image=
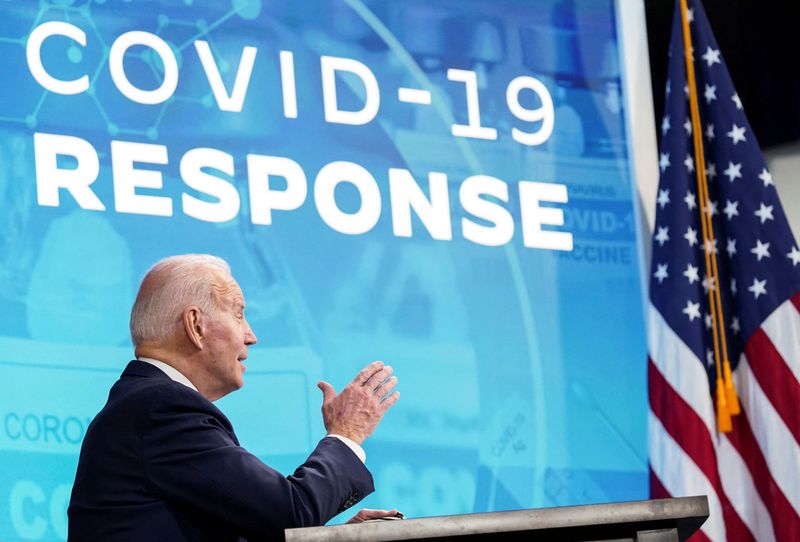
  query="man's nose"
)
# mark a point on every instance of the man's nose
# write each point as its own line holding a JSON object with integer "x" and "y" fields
{"x": 249, "y": 337}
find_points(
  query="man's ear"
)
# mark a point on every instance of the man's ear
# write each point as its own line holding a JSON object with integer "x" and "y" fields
{"x": 193, "y": 325}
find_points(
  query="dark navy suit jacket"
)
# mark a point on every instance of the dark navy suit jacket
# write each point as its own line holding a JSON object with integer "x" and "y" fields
{"x": 161, "y": 463}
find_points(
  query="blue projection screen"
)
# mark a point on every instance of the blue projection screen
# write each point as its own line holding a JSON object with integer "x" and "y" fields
{"x": 443, "y": 185}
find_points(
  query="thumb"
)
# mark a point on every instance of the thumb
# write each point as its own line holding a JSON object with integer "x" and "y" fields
{"x": 328, "y": 391}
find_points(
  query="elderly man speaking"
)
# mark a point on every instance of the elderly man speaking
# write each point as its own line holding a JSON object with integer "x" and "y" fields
{"x": 161, "y": 463}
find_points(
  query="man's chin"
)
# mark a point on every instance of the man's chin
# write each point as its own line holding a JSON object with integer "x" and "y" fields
{"x": 240, "y": 379}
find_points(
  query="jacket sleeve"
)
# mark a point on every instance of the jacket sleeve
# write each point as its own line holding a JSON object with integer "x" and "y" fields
{"x": 191, "y": 459}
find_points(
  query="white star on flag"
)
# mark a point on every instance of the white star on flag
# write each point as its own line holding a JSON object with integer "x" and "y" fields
{"x": 731, "y": 209}
{"x": 766, "y": 176}
{"x": 709, "y": 281}
{"x": 691, "y": 236}
{"x": 707, "y": 319}
{"x": 663, "y": 197}
{"x": 710, "y": 132}
{"x": 711, "y": 171}
{"x": 731, "y": 247}
{"x": 733, "y": 286}
{"x": 661, "y": 272}
{"x": 665, "y": 125}
{"x": 794, "y": 255}
{"x": 690, "y": 200}
{"x": 663, "y": 235}
{"x": 689, "y": 163}
{"x": 691, "y": 273}
{"x": 688, "y": 126}
{"x": 710, "y": 93}
{"x": 692, "y": 310}
{"x": 711, "y": 246}
{"x": 711, "y": 56}
{"x": 761, "y": 250}
{"x": 663, "y": 161}
{"x": 734, "y": 171}
{"x": 737, "y": 134}
{"x": 758, "y": 287}
{"x": 735, "y": 325}
{"x": 737, "y": 101}
{"x": 712, "y": 208}
{"x": 764, "y": 212}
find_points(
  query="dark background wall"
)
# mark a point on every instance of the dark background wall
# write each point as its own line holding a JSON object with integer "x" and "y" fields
{"x": 760, "y": 42}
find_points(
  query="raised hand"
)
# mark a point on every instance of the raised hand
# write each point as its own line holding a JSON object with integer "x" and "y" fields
{"x": 355, "y": 412}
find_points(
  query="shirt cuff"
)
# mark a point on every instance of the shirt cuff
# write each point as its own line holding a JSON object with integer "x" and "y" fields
{"x": 358, "y": 450}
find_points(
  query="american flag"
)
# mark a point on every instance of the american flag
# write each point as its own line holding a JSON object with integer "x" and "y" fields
{"x": 752, "y": 473}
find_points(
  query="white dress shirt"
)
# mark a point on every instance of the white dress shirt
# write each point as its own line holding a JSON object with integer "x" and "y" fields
{"x": 178, "y": 377}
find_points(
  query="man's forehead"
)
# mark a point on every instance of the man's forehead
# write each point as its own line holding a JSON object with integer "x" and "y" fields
{"x": 235, "y": 293}
{"x": 228, "y": 289}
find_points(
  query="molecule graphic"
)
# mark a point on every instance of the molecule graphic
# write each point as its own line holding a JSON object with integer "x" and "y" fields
{"x": 179, "y": 33}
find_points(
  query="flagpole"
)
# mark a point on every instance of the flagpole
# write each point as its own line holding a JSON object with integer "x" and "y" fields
{"x": 727, "y": 400}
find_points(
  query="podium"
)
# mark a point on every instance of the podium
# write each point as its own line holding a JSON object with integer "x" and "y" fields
{"x": 662, "y": 520}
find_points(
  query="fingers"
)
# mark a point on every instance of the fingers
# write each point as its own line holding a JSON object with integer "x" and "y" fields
{"x": 366, "y": 513}
{"x": 385, "y": 384}
{"x": 367, "y": 372}
{"x": 385, "y": 387}
{"x": 328, "y": 391}
{"x": 389, "y": 401}
{"x": 379, "y": 376}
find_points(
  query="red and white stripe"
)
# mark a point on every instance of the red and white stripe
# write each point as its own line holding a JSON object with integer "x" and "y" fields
{"x": 752, "y": 474}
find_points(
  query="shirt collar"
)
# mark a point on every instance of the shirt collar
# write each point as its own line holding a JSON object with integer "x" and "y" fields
{"x": 170, "y": 371}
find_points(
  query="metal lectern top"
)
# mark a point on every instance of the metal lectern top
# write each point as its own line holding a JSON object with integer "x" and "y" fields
{"x": 663, "y": 520}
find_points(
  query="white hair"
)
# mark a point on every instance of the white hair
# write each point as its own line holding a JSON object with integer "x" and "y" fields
{"x": 170, "y": 286}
